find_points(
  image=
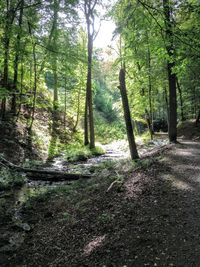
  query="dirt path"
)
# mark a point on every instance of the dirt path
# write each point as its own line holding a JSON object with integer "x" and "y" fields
{"x": 153, "y": 219}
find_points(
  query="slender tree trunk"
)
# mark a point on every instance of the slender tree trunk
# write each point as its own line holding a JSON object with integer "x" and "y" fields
{"x": 54, "y": 63}
{"x": 89, "y": 93}
{"x": 35, "y": 87}
{"x": 171, "y": 74}
{"x": 16, "y": 61}
{"x": 148, "y": 119}
{"x": 149, "y": 114}
{"x": 10, "y": 15}
{"x": 5, "y": 64}
{"x": 86, "y": 137}
{"x": 55, "y": 91}
{"x": 89, "y": 15}
{"x": 78, "y": 109}
{"x": 194, "y": 106}
{"x": 65, "y": 108}
{"x": 21, "y": 90}
{"x": 127, "y": 115}
{"x": 198, "y": 118}
{"x": 167, "y": 104}
{"x": 181, "y": 99}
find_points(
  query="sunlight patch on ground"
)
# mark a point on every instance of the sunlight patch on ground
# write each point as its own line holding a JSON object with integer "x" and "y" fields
{"x": 93, "y": 244}
{"x": 133, "y": 186}
{"x": 179, "y": 184}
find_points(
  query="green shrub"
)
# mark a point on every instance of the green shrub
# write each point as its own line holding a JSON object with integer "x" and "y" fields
{"x": 76, "y": 152}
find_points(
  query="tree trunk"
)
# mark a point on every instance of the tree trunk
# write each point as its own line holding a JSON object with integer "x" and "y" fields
{"x": 65, "y": 109}
{"x": 55, "y": 89}
{"x": 127, "y": 115}
{"x": 89, "y": 93}
{"x": 198, "y": 118}
{"x": 78, "y": 109}
{"x": 181, "y": 99}
{"x": 148, "y": 119}
{"x": 54, "y": 63}
{"x": 167, "y": 103}
{"x": 21, "y": 89}
{"x": 35, "y": 87}
{"x": 150, "y": 113}
{"x": 86, "y": 138}
{"x": 89, "y": 15}
{"x": 5, "y": 64}
{"x": 10, "y": 15}
{"x": 16, "y": 61}
{"x": 171, "y": 74}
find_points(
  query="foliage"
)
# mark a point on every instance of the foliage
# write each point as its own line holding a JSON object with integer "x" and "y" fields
{"x": 108, "y": 131}
{"x": 78, "y": 152}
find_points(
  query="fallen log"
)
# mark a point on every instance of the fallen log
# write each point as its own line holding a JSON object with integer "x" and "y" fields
{"x": 44, "y": 175}
{"x": 54, "y": 176}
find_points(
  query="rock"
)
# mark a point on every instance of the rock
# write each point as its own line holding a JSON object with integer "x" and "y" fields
{"x": 26, "y": 227}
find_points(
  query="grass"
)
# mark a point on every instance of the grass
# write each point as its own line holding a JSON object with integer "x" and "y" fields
{"x": 78, "y": 152}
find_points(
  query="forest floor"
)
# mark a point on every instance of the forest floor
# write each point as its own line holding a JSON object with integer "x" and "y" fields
{"x": 151, "y": 217}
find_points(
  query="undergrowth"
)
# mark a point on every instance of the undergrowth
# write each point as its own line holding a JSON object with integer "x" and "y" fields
{"x": 9, "y": 179}
{"x": 103, "y": 175}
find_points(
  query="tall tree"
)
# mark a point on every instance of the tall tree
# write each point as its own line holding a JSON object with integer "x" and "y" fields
{"x": 127, "y": 115}
{"x": 89, "y": 7}
{"x": 17, "y": 56}
{"x": 170, "y": 68}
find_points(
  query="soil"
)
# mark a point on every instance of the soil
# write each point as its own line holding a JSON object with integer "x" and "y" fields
{"x": 151, "y": 219}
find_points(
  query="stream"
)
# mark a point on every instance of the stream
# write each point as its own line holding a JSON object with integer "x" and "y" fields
{"x": 117, "y": 150}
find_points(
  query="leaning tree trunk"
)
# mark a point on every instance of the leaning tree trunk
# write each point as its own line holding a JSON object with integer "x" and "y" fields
{"x": 171, "y": 74}
{"x": 127, "y": 115}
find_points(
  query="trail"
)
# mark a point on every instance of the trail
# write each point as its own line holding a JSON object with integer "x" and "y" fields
{"x": 153, "y": 221}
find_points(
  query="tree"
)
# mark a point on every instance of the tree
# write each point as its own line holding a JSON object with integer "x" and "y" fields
{"x": 127, "y": 115}
{"x": 171, "y": 74}
{"x": 89, "y": 7}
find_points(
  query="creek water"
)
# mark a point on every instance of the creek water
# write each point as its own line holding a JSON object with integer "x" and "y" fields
{"x": 114, "y": 151}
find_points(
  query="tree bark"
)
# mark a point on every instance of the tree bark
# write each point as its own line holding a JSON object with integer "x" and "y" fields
{"x": 35, "y": 87}
{"x": 181, "y": 99}
{"x": 17, "y": 55}
{"x": 86, "y": 137}
{"x": 89, "y": 15}
{"x": 54, "y": 63}
{"x": 78, "y": 109}
{"x": 89, "y": 93}
{"x": 198, "y": 118}
{"x": 171, "y": 75}
{"x": 127, "y": 115}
